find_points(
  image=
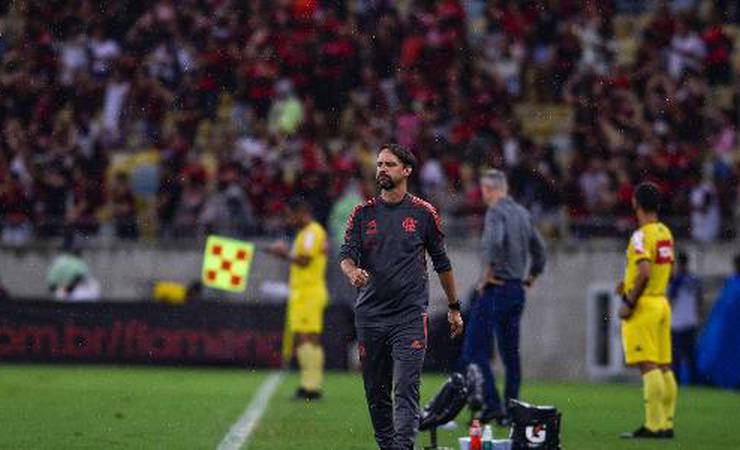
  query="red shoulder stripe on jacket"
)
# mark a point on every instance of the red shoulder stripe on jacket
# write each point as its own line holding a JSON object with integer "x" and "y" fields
{"x": 351, "y": 218}
{"x": 416, "y": 201}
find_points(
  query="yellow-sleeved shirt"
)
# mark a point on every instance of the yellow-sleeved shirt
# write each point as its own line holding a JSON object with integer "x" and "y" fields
{"x": 311, "y": 241}
{"x": 652, "y": 242}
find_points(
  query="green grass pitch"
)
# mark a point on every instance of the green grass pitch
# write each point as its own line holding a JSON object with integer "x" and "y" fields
{"x": 95, "y": 407}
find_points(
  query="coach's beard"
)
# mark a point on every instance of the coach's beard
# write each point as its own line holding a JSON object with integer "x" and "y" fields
{"x": 385, "y": 182}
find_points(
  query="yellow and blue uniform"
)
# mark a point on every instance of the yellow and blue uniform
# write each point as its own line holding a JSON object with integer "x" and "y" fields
{"x": 646, "y": 334}
{"x": 308, "y": 292}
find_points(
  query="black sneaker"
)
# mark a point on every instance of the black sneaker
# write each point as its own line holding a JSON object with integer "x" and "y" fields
{"x": 312, "y": 395}
{"x": 666, "y": 434}
{"x": 643, "y": 433}
{"x": 300, "y": 393}
{"x": 496, "y": 415}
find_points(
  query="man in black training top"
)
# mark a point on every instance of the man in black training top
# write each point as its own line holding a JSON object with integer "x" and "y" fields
{"x": 383, "y": 256}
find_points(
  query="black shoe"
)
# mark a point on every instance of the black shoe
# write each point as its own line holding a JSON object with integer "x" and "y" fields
{"x": 494, "y": 414}
{"x": 312, "y": 395}
{"x": 643, "y": 433}
{"x": 300, "y": 393}
{"x": 666, "y": 434}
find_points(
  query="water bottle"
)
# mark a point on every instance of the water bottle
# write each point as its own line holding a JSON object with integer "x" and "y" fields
{"x": 487, "y": 438}
{"x": 475, "y": 435}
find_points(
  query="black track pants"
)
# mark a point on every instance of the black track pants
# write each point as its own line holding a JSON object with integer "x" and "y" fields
{"x": 392, "y": 357}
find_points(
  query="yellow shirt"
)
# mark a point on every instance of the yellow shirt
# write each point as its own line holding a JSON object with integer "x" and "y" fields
{"x": 652, "y": 242}
{"x": 311, "y": 241}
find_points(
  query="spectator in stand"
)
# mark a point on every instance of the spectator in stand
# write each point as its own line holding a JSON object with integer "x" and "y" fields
{"x": 191, "y": 205}
{"x": 718, "y": 53}
{"x": 686, "y": 51}
{"x": 123, "y": 206}
{"x": 87, "y": 198}
{"x": 15, "y": 211}
{"x": 705, "y": 214}
{"x": 52, "y": 192}
{"x": 228, "y": 211}
{"x": 286, "y": 112}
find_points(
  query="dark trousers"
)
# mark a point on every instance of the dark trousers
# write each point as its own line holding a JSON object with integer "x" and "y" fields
{"x": 498, "y": 313}
{"x": 392, "y": 357}
{"x": 684, "y": 344}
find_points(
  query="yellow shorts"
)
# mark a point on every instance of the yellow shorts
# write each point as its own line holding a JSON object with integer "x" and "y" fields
{"x": 306, "y": 311}
{"x": 646, "y": 335}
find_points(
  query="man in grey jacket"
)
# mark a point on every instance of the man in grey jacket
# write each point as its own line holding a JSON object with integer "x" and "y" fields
{"x": 510, "y": 243}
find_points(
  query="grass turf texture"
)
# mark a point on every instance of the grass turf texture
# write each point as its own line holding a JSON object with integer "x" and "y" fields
{"x": 111, "y": 407}
{"x": 98, "y": 407}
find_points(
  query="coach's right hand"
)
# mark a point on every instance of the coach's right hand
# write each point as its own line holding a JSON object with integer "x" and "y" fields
{"x": 358, "y": 277}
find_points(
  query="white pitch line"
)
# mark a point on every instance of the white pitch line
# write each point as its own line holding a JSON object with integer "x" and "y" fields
{"x": 242, "y": 429}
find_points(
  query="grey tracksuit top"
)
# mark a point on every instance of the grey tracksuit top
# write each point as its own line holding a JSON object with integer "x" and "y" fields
{"x": 509, "y": 237}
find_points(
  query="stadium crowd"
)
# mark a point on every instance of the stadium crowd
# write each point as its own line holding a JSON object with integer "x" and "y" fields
{"x": 243, "y": 104}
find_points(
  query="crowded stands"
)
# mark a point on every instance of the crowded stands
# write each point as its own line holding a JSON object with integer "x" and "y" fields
{"x": 169, "y": 120}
